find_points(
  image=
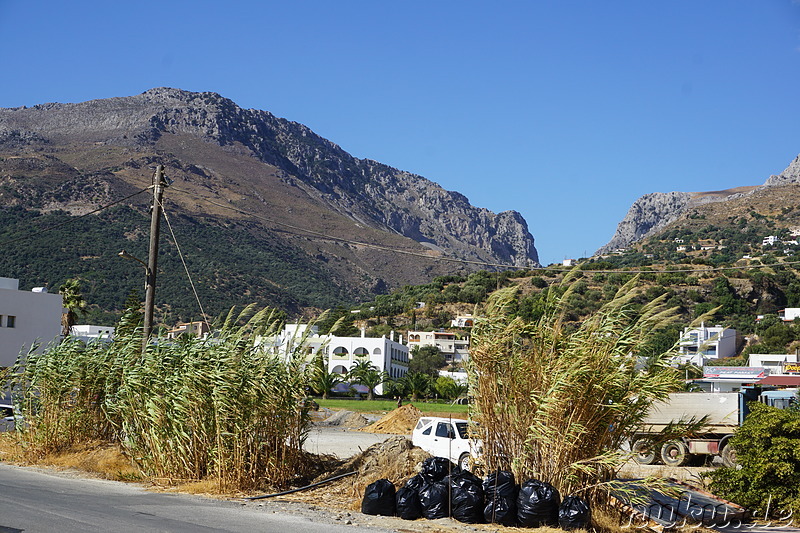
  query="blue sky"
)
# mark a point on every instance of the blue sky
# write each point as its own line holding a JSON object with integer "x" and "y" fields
{"x": 566, "y": 111}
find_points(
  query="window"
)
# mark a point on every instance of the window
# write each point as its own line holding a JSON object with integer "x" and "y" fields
{"x": 444, "y": 430}
{"x": 427, "y": 431}
{"x": 10, "y": 321}
{"x": 340, "y": 351}
{"x": 1, "y": 321}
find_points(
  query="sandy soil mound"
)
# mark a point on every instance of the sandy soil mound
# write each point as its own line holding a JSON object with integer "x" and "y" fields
{"x": 400, "y": 421}
{"x": 346, "y": 419}
{"x": 395, "y": 459}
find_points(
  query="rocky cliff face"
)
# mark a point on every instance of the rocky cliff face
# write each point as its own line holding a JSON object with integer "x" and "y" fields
{"x": 648, "y": 214}
{"x": 653, "y": 212}
{"x": 366, "y": 191}
{"x": 790, "y": 175}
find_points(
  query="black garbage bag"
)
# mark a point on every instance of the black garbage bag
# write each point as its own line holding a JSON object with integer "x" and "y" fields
{"x": 500, "y": 491}
{"x": 408, "y": 504}
{"x": 435, "y": 500}
{"x": 537, "y": 504}
{"x": 466, "y": 497}
{"x": 574, "y": 513}
{"x": 435, "y": 469}
{"x": 379, "y": 498}
{"x": 415, "y": 482}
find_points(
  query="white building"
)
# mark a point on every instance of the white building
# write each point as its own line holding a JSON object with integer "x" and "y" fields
{"x": 26, "y": 318}
{"x": 89, "y": 333}
{"x": 770, "y": 240}
{"x": 386, "y": 354}
{"x": 789, "y": 314}
{"x": 730, "y": 378}
{"x": 454, "y": 349}
{"x": 698, "y": 345}
{"x": 776, "y": 363}
{"x": 463, "y": 321}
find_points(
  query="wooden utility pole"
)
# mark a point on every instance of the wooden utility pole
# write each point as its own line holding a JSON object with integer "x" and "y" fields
{"x": 159, "y": 184}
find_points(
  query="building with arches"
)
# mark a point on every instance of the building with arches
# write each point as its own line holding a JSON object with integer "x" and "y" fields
{"x": 341, "y": 353}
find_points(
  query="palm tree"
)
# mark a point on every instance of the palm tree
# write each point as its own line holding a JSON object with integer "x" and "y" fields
{"x": 73, "y": 302}
{"x": 417, "y": 384}
{"x": 367, "y": 374}
{"x": 323, "y": 380}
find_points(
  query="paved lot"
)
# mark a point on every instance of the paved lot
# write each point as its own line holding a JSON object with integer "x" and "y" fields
{"x": 343, "y": 443}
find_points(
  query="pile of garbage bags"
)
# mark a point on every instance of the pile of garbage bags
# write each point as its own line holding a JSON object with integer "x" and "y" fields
{"x": 443, "y": 490}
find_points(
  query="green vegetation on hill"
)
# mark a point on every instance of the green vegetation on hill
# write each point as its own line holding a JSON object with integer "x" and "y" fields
{"x": 738, "y": 295}
{"x": 232, "y": 266}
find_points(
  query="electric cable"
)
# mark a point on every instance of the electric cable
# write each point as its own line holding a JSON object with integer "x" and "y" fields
{"x": 185, "y": 266}
{"x": 473, "y": 262}
{"x": 73, "y": 219}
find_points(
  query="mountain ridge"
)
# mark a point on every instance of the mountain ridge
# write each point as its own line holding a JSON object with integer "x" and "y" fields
{"x": 364, "y": 190}
{"x": 654, "y": 212}
{"x": 366, "y": 227}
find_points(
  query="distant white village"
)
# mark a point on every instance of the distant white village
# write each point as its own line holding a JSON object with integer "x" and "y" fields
{"x": 32, "y": 320}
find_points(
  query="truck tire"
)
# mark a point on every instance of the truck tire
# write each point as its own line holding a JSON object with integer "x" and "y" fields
{"x": 675, "y": 453}
{"x": 643, "y": 452}
{"x": 729, "y": 456}
{"x": 463, "y": 461}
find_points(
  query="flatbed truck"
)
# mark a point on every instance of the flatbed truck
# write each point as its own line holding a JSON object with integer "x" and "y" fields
{"x": 724, "y": 412}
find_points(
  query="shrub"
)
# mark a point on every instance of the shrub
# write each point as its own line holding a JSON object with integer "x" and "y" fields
{"x": 768, "y": 452}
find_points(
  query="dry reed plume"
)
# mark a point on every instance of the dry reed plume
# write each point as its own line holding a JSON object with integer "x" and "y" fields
{"x": 555, "y": 402}
{"x": 188, "y": 410}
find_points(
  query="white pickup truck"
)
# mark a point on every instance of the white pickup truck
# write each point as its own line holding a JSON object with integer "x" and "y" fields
{"x": 446, "y": 437}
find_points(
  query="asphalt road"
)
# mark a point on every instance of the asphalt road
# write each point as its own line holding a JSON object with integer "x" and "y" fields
{"x": 37, "y": 501}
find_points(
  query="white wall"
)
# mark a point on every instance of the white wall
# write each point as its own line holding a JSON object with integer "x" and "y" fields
{"x": 37, "y": 319}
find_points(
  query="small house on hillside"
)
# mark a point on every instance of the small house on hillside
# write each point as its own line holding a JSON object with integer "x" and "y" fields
{"x": 453, "y": 348}
{"x": 198, "y": 328}
{"x": 698, "y": 345}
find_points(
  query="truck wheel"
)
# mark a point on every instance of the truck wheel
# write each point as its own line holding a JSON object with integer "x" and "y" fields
{"x": 643, "y": 452}
{"x": 675, "y": 453}
{"x": 729, "y": 456}
{"x": 463, "y": 461}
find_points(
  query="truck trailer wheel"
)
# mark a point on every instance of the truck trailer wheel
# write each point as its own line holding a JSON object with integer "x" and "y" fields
{"x": 729, "y": 456}
{"x": 643, "y": 452}
{"x": 675, "y": 453}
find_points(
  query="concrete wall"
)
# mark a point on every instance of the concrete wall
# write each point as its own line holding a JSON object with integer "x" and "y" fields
{"x": 37, "y": 319}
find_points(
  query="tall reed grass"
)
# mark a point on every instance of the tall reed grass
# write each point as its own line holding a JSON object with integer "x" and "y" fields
{"x": 555, "y": 401}
{"x": 186, "y": 410}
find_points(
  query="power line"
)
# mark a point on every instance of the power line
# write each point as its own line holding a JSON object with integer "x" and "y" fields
{"x": 71, "y": 220}
{"x": 472, "y": 262}
{"x": 347, "y": 241}
{"x": 186, "y": 268}
{"x": 300, "y": 231}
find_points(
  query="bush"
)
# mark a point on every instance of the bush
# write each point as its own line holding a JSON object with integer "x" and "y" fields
{"x": 768, "y": 452}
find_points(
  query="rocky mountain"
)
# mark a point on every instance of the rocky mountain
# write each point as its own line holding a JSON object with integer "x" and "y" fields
{"x": 654, "y": 212}
{"x": 355, "y": 224}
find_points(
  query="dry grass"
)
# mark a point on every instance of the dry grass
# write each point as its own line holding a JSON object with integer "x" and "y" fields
{"x": 98, "y": 459}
